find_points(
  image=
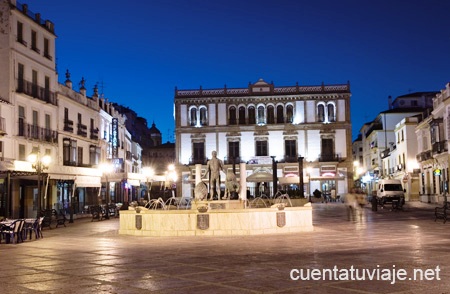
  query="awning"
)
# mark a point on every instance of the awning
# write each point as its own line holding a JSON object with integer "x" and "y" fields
{"x": 260, "y": 177}
{"x": 133, "y": 182}
{"x": 61, "y": 177}
{"x": 86, "y": 181}
{"x": 291, "y": 180}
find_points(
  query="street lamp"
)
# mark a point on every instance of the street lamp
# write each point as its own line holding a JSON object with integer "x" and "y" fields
{"x": 308, "y": 171}
{"x": 106, "y": 169}
{"x": 39, "y": 163}
{"x": 171, "y": 176}
{"x": 300, "y": 176}
{"x": 148, "y": 172}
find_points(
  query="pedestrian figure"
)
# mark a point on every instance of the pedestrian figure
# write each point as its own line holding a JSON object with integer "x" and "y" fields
{"x": 355, "y": 202}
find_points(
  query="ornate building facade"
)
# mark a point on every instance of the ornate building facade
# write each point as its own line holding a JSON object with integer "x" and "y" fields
{"x": 271, "y": 137}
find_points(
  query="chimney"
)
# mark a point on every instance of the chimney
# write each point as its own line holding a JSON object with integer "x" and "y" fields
{"x": 390, "y": 102}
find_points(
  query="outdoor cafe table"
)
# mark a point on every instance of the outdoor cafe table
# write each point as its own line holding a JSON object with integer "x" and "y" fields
{"x": 8, "y": 222}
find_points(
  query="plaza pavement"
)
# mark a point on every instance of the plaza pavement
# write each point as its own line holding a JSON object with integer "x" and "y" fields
{"x": 90, "y": 257}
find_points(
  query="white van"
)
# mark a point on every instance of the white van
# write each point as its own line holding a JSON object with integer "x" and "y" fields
{"x": 390, "y": 190}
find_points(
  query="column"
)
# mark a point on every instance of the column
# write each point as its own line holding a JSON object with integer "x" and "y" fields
{"x": 243, "y": 180}
{"x": 198, "y": 175}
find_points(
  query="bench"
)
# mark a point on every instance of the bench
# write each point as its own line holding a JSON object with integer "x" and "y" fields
{"x": 60, "y": 218}
{"x": 97, "y": 212}
{"x": 48, "y": 218}
{"x": 441, "y": 212}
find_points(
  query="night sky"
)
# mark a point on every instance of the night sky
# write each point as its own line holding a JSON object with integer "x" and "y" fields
{"x": 139, "y": 51}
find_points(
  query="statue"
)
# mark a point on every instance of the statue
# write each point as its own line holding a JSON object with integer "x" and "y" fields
{"x": 231, "y": 186}
{"x": 201, "y": 191}
{"x": 214, "y": 167}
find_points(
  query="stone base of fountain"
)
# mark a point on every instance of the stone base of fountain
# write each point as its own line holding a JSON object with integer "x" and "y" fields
{"x": 216, "y": 220}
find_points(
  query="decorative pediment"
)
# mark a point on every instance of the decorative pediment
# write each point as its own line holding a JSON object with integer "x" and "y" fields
{"x": 261, "y": 86}
{"x": 198, "y": 138}
{"x": 327, "y": 131}
{"x": 233, "y": 134}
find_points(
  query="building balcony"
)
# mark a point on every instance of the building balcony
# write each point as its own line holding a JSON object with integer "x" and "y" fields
{"x": 197, "y": 160}
{"x": 439, "y": 147}
{"x": 34, "y": 132}
{"x": 329, "y": 158}
{"x": 385, "y": 153}
{"x": 424, "y": 156}
{"x": 82, "y": 130}
{"x": 46, "y": 55}
{"x": 232, "y": 160}
{"x": 68, "y": 126}
{"x": 35, "y": 91}
{"x": 94, "y": 134}
{"x": 22, "y": 41}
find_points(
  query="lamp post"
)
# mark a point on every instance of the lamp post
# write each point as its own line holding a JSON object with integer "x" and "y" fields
{"x": 39, "y": 163}
{"x": 308, "y": 172}
{"x": 300, "y": 176}
{"x": 274, "y": 176}
{"x": 148, "y": 172}
{"x": 171, "y": 176}
{"x": 106, "y": 169}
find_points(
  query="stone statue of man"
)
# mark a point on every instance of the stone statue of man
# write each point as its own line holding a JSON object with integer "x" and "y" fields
{"x": 214, "y": 167}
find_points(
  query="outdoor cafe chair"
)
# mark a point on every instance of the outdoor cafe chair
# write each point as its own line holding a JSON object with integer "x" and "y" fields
{"x": 13, "y": 231}
{"x": 34, "y": 227}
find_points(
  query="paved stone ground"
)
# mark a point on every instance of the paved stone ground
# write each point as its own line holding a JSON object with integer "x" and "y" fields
{"x": 90, "y": 257}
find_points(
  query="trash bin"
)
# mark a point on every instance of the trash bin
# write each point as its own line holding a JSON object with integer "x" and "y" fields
{"x": 374, "y": 202}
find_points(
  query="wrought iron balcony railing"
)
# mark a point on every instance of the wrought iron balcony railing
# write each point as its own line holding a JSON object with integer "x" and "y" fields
{"x": 35, "y": 91}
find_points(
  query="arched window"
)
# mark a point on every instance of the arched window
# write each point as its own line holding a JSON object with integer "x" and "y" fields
{"x": 261, "y": 116}
{"x": 289, "y": 114}
{"x": 242, "y": 115}
{"x": 331, "y": 112}
{"x": 321, "y": 113}
{"x": 270, "y": 114}
{"x": 232, "y": 115}
{"x": 203, "y": 116}
{"x": 280, "y": 114}
{"x": 251, "y": 115}
{"x": 193, "y": 116}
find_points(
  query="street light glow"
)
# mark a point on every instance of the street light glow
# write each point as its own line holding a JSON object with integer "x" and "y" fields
{"x": 46, "y": 159}
{"x": 106, "y": 167}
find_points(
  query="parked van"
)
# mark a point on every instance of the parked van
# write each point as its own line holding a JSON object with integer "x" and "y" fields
{"x": 390, "y": 190}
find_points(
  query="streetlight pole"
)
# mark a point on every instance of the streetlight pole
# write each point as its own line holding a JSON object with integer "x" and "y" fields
{"x": 300, "y": 175}
{"x": 274, "y": 176}
{"x": 308, "y": 173}
{"x": 39, "y": 164}
{"x": 106, "y": 169}
{"x": 148, "y": 172}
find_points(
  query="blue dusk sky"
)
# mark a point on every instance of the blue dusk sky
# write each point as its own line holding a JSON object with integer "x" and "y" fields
{"x": 140, "y": 50}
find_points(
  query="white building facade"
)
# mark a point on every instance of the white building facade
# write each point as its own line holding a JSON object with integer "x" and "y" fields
{"x": 432, "y": 155}
{"x": 267, "y": 134}
{"x": 38, "y": 115}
